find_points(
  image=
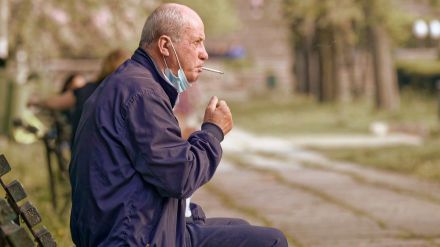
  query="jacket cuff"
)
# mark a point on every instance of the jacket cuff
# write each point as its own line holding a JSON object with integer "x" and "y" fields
{"x": 214, "y": 130}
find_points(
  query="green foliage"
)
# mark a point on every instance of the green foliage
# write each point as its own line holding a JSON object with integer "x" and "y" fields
{"x": 348, "y": 16}
{"x": 434, "y": 4}
{"x": 305, "y": 16}
{"x": 419, "y": 74}
{"x": 399, "y": 24}
{"x": 419, "y": 67}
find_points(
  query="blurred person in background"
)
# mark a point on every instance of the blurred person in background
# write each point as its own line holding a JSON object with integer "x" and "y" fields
{"x": 74, "y": 95}
{"x": 257, "y": 8}
{"x": 132, "y": 174}
{"x": 72, "y": 82}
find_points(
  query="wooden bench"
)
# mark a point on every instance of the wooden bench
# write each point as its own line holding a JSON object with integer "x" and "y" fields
{"x": 14, "y": 210}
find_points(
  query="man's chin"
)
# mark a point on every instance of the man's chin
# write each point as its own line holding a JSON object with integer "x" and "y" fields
{"x": 193, "y": 78}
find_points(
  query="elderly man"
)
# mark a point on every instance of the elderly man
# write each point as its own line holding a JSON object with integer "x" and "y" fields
{"x": 132, "y": 173}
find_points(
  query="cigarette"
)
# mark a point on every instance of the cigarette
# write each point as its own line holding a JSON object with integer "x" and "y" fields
{"x": 213, "y": 70}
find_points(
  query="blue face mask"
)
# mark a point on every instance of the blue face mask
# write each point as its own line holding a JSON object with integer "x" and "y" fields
{"x": 179, "y": 82}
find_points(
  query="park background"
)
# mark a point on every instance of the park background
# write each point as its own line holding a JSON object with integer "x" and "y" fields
{"x": 336, "y": 106}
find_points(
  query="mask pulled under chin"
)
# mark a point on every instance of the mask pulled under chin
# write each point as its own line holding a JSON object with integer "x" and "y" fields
{"x": 179, "y": 82}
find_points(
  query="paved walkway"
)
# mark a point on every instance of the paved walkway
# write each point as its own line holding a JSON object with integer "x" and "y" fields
{"x": 317, "y": 201}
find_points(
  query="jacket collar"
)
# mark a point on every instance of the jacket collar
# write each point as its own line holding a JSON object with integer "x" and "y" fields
{"x": 143, "y": 58}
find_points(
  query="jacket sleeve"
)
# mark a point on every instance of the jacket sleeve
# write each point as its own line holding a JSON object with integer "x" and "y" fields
{"x": 174, "y": 166}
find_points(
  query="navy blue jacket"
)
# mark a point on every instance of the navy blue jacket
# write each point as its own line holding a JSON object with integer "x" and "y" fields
{"x": 131, "y": 170}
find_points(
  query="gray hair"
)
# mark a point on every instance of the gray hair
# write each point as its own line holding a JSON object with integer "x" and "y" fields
{"x": 165, "y": 20}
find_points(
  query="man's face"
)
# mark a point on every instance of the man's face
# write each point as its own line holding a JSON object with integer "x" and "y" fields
{"x": 191, "y": 51}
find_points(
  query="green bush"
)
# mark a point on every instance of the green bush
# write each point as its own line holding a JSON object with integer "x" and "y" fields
{"x": 418, "y": 74}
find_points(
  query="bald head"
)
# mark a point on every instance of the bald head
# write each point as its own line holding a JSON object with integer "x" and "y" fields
{"x": 168, "y": 19}
{"x": 173, "y": 37}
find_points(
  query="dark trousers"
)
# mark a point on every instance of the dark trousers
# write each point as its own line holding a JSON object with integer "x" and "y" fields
{"x": 229, "y": 232}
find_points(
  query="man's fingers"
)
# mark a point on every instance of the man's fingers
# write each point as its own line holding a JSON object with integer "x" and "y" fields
{"x": 223, "y": 106}
{"x": 213, "y": 103}
{"x": 218, "y": 112}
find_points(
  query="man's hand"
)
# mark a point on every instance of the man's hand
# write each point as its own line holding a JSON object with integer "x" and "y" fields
{"x": 218, "y": 113}
{"x": 33, "y": 102}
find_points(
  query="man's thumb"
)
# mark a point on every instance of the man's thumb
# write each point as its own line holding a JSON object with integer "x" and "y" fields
{"x": 213, "y": 103}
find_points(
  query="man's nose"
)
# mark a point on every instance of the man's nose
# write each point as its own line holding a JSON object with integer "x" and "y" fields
{"x": 203, "y": 54}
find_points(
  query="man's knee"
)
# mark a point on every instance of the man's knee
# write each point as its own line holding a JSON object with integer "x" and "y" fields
{"x": 277, "y": 237}
{"x": 226, "y": 221}
{"x": 239, "y": 222}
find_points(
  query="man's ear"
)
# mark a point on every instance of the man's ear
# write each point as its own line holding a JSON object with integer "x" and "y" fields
{"x": 164, "y": 44}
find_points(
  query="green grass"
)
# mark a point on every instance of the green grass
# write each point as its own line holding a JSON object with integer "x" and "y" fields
{"x": 29, "y": 167}
{"x": 421, "y": 161}
{"x": 293, "y": 115}
{"x": 299, "y": 115}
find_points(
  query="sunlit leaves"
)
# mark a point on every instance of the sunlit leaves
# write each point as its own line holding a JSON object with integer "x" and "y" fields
{"x": 350, "y": 16}
{"x": 87, "y": 28}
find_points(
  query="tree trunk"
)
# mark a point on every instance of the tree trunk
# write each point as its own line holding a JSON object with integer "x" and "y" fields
{"x": 307, "y": 54}
{"x": 340, "y": 69}
{"x": 307, "y": 66}
{"x": 327, "y": 78}
{"x": 301, "y": 70}
{"x": 387, "y": 95}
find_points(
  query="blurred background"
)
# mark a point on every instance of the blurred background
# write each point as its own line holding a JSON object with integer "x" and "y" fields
{"x": 336, "y": 106}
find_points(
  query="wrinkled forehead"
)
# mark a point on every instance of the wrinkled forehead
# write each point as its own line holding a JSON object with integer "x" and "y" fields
{"x": 194, "y": 31}
{"x": 194, "y": 27}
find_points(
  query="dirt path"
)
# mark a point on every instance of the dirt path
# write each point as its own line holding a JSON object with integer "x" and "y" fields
{"x": 320, "y": 202}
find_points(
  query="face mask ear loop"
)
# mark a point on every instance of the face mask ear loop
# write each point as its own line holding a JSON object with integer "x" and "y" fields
{"x": 165, "y": 61}
{"x": 175, "y": 54}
